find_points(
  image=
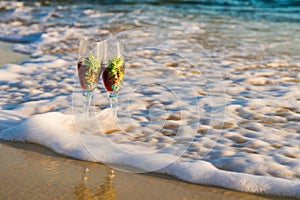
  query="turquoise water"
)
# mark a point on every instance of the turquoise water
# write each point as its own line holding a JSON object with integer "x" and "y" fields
{"x": 259, "y": 30}
{"x": 244, "y": 26}
{"x": 280, "y": 10}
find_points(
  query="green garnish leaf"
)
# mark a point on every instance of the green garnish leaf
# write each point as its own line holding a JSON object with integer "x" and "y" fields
{"x": 115, "y": 65}
{"x": 92, "y": 62}
{"x": 93, "y": 67}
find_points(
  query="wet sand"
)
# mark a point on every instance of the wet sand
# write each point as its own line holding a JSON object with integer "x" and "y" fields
{"x": 12, "y": 56}
{"x": 30, "y": 171}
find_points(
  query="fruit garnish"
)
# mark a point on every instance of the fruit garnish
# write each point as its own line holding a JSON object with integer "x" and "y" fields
{"x": 115, "y": 65}
{"x": 114, "y": 73}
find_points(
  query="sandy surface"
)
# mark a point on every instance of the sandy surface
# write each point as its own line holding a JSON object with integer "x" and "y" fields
{"x": 12, "y": 57}
{"x": 30, "y": 171}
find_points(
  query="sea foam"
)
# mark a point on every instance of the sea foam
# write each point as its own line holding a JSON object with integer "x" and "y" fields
{"x": 56, "y": 131}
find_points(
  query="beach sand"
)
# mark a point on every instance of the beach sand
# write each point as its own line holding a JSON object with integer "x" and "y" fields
{"x": 12, "y": 56}
{"x": 30, "y": 171}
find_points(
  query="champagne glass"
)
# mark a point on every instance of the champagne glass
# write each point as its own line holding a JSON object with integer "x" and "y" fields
{"x": 88, "y": 68}
{"x": 113, "y": 65}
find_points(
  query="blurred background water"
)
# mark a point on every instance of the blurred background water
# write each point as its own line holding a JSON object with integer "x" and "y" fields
{"x": 256, "y": 30}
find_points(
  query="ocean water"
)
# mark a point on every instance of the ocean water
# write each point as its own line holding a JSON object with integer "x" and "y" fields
{"x": 211, "y": 91}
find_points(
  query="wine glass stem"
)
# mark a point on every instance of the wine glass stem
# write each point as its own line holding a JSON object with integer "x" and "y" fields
{"x": 87, "y": 103}
{"x": 113, "y": 99}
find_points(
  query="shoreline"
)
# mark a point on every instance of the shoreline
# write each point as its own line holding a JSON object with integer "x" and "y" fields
{"x": 39, "y": 172}
{"x": 31, "y": 170}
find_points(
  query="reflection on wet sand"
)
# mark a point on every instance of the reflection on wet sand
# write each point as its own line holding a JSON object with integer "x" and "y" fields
{"x": 106, "y": 191}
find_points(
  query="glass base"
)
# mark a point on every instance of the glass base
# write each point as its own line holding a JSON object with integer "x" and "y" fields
{"x": 113, "y": 99}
